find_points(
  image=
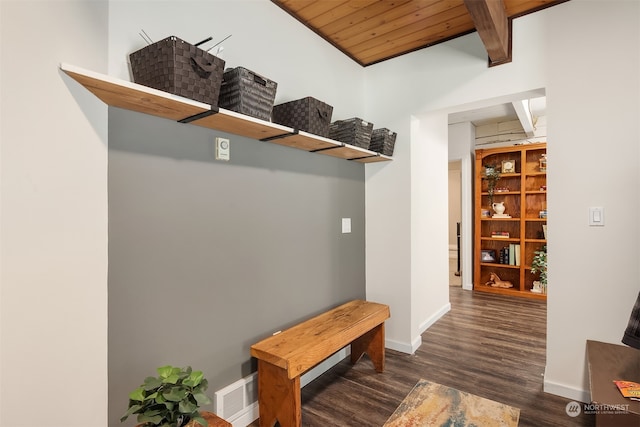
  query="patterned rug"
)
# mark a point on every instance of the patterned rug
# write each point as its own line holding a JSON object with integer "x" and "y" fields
{"x": 431, "y": 404}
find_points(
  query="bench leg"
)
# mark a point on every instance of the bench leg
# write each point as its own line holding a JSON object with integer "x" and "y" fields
{"x": 278, "y": 397}
{"x": 371, "y": 343}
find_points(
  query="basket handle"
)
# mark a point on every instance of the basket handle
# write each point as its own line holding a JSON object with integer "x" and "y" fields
{"x": 259, "y": 80}
{"x": 323, "y": 115}
{"x": 202, "y": 67}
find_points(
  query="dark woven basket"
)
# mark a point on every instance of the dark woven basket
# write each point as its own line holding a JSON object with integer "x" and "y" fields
{"x": 175, "y": 66}
{"x": 382, "y": 141}
{"x": 352, "y": 131}
{"x": 248, "y": 93}
{"x": 307, "y": 114}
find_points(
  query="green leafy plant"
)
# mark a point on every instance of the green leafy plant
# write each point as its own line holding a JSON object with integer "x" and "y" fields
{"x": 539, "y": 265}
{"x": 492, "y": 174}
{"x": 170, "y": 400}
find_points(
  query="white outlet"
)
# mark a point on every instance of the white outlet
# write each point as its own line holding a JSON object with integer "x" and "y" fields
{"x": 222, "y": 149}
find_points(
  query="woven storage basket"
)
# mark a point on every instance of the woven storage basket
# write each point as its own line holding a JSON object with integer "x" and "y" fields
{"x": 382, "y": 141}
{"x": 248, "y": 93}
{"x": 175, "y": 66}
{"x": 307, "y": 114}
{"x": 352, "y": 131}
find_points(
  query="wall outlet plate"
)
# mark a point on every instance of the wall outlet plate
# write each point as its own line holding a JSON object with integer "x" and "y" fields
{"x": 596, "y": 216}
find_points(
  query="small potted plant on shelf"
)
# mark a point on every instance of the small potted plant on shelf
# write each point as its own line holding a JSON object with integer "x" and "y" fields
{"x": 539, "y": 265}
{"x": 170, "y": 400}
{"x": 492, "y": 174}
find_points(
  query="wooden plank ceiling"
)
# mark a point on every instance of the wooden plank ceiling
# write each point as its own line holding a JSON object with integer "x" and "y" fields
{"x": 371, "y": 31}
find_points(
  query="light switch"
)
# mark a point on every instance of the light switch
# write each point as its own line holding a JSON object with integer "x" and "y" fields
{"x": 596, "y": 216}
{"x": 346, "y": 225}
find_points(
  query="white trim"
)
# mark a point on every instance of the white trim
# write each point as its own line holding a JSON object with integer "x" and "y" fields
{"x": 566, "y": 391}
{"x": 324, "y": 366}
{"x": 246, "y": 416}
{"x": 411, "y": 348}
{"x": 408, "y": 348}
{"x": 434, "y": 318}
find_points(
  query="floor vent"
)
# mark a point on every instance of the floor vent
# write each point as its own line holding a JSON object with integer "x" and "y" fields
{"x": 238, "y": 402}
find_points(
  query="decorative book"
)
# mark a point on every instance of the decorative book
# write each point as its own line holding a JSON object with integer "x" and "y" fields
{"x": 628, "y": 389}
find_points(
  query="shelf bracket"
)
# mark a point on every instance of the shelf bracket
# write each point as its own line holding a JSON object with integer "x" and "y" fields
{"x": 212, "y": 111}
{"x": 365, "y": 157}
{"x": 283, "y": 135}
{"x": 327, "y": 148}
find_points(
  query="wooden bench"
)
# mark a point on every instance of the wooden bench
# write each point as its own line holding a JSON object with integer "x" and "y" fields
{"x": 285, "y": 356}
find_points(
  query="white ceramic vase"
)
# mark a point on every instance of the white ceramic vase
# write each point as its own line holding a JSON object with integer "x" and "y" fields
{"x": 498, "y": 207}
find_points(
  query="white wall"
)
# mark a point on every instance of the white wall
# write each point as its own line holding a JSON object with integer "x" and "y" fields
{"x": 593, "y": 104}
{"x": 53, "y": 173}
{"x": 264, "y": 39}
{"x": 429, "y": 221}
{"x": 53, "y": 217}
{"x": 593, "y": 120}
{"x": 455, "y": 206}
{"x": 462, "y": 146}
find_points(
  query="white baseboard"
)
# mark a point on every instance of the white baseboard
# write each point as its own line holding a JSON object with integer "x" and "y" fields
{"x": 324, "y": 366}
{"x": 566, "y": 391}
{"x": 403, "y": 347}
{"x": 248, "y": 415}
{"x": 434, "y": 318}
{"x": 410, "y": 348}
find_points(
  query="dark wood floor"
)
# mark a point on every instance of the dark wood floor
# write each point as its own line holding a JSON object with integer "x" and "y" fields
{"x": 488, "y": 345}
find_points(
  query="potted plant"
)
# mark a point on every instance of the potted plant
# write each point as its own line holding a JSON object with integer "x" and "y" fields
{"x": 492, "y": 174}
{"x": 170, "y": 400}
{"x": 539, "y": 265}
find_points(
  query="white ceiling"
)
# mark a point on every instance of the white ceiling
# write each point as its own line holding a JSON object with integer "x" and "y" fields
{"x": 498, "y": 113}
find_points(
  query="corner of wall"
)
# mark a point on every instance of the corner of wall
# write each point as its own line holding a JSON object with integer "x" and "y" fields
{"x": 566, "y": 391}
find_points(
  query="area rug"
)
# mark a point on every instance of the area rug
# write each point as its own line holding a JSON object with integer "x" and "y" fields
{"x": 431, "y": 404}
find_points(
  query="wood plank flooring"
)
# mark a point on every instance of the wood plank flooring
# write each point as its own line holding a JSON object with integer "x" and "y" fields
{"x": 489, "y": 345}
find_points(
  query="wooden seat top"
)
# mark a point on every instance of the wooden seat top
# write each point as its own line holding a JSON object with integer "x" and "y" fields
{"x": 306, "y": 344}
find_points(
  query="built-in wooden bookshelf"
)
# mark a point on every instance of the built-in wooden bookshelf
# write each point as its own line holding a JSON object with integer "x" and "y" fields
{"x": 522, "y": 189}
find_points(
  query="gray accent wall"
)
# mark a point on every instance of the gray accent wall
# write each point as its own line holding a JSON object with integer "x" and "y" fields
{"x": 207, "y": 257}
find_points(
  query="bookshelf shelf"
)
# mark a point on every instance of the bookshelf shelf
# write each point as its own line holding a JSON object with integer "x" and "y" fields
{"x": 526, "y": 202}
{"x": 501, "y": 239}
{"x": 497, "y": 265}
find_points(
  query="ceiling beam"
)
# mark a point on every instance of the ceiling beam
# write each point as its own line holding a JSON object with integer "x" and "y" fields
{"x": 524, "y": 115}
{"x": 494, "y": 27}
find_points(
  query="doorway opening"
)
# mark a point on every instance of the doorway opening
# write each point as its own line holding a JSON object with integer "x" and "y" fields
{"x": 455, "y": 222}
{"x": 504, "y": 121}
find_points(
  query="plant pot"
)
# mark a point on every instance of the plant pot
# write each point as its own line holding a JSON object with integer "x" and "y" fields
{"x": 210, "y": 417}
